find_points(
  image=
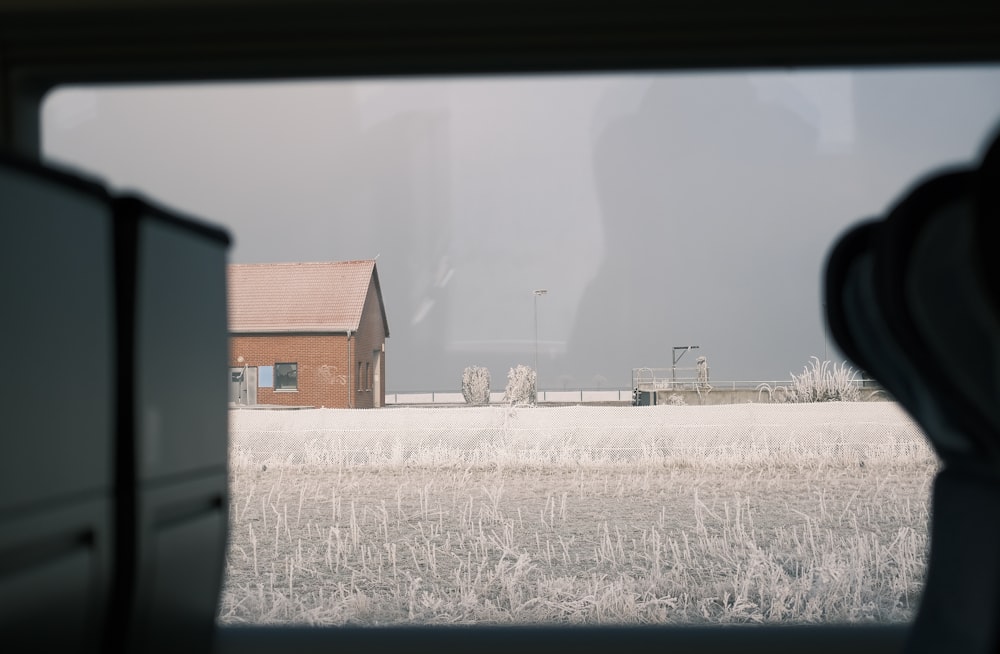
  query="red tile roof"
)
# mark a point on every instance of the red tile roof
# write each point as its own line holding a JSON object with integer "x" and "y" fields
{"x": 300, "y": 297}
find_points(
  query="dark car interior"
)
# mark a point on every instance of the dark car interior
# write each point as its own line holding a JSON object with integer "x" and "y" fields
{"x": 113, "y": 499}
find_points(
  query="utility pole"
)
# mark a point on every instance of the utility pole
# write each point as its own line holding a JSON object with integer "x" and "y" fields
{"x": 537, "y": 292}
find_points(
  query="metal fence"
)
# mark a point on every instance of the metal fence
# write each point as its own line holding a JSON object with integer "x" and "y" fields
{"x": 853, "y": 433}
{"x": 653, "y": 382}
{"x": 583, "y": 396}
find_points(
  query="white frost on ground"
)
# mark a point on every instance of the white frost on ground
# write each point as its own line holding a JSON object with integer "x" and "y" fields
{"x": 737, "y": 433}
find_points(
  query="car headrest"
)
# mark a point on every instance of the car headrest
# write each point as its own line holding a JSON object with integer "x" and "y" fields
{"x": 913, "y": 300}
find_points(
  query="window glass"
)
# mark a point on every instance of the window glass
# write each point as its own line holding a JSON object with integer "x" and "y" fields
{"x": 547, "y": 246}
{"x": 286, "y": 376}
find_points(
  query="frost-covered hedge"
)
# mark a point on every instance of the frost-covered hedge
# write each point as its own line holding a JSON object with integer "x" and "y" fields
{"x": 476, "y": 385}
{"x": 520, "y": 386}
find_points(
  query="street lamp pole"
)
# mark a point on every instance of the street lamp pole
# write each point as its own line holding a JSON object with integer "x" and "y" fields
{"x": 537, "y": 292}
{"x": 677, "y": 357}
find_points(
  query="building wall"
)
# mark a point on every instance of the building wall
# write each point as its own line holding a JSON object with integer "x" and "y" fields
{"x": 328, "y": 364}
{"x": 369, "y": 339}
{"x": 323, "y": 366}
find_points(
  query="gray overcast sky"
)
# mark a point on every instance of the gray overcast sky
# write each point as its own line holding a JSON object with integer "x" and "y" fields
{"x": 658, "y": 210}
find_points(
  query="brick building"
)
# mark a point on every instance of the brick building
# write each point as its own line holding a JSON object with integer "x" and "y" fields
{"x": 307, "y": 334}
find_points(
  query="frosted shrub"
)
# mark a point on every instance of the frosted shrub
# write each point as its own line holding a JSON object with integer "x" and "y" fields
{"x": 476, "y": 385}
{"x": 701, "y": 364}
{"x": 676, "y": 400}
{"x": 520, "y": 386}
{"x": 819, "y": 382}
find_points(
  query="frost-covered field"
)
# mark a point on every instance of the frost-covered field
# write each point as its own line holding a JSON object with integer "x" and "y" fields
{"x": 846, "y": 432}
{"x": 741, "y": 513}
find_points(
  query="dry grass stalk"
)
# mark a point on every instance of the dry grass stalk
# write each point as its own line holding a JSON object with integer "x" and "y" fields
{"x": 638, "y": 543}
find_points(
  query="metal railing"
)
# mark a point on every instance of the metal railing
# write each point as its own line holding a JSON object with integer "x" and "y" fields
{"x": 673, "y": 378}
{"x": 656, "y": 379}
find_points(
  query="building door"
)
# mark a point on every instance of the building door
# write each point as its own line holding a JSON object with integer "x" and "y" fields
{"x": 243, "y": 385}
{"x": 377, "y": 378}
